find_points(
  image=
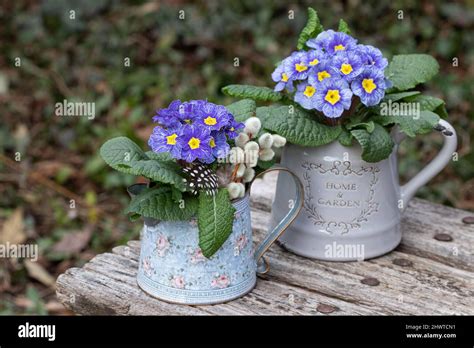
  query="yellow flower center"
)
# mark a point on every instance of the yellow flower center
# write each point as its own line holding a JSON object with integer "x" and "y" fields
{"x": 210, "y": 121}
{"x": 368, "y": 85}
{"x": 301, "y": 67}
{"x": 194, "y": 143}
{"x": 315, "y": 61}
{"x": 339, "y": 48}
{"x": 188, "y": 121}
{"x": 309, "y": 91}
{"x": 332, "y": 96}
{"x": 323, "y": 75}
{"x": 232, "y": 129}
{"x": 284, "y": 77}
{"x": 212, "y": 143}
{"x": 346, "y": 69}
{"x": 171, "y": 139}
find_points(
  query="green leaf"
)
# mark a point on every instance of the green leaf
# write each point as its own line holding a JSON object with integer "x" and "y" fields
{"x": 368, "y": 126}
{"x": 266, "y": 164}
{"x": 162, "y": 156}
{"x": 407, "y": 71}
{"x": 121, "y": 150}
{"x": 376, "y": 146}
{"x": 345, "y": 138}
{"x": 312, "y": 28}
{"x": 441, "y": 111}
{"x": 252, "y": 92}
{"x": 429, "y": 103}
{"x": 343, "y": 27}
{"x": 215, "y": 221}
{"x": 398, "y": 96}
{"x": 296, "y": 125}
{"x": 391, "y": 98}
{"x": 411, "y": 125}
{"x": 134, "y": 217}
{"x": 164, "y": 172}
{"x": 124, "y": 155}
{"x": 176, "y": 194}
{"x": 243, "y": 109}
{"x": 158, "y": 203}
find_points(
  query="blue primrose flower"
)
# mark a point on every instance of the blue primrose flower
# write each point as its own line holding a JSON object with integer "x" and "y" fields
{"x": 348, "y": 64}
{"x": 188, "y": 111}
{"x": 281, "y": 77}
{"x": 332, "y": 42}
{"x": 332, "y": 97}
{"x": 373, "y": 56}
{"x": 219, "y": 146}
{"x": 298, "y": 66}
{"x": 168, "y": 117}
{"x": 195, "y": 143}
{"x": 315, "y": 57}
{"x": 320, "y": 72}
{"x": 194, "y": 130}
{"x": 166, "y": 140}
{"x": 305, "y": 95}
{"x": 370, "y": 86}
{"x": 232, "y": 129}
{"x": 328, "y": 75}
{"x": 212, "y": 116}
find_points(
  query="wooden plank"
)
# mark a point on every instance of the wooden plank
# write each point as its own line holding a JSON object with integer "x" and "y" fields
{"x": 401, "y": 291}
{"x": 107, "y": 285}
{"x": 417, "y": 286}
{"x": 424, "y": 220}
{"x": 434, "y": 277}
{"x": 269, "y": 297}
{"x": 295, "y": 285}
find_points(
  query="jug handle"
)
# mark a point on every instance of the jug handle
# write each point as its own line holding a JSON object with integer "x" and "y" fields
{"x": 270, "y": 238}
{"x": 408, "y": 190}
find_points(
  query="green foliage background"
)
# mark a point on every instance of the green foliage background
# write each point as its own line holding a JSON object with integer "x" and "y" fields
{"x": 170, "y": 58}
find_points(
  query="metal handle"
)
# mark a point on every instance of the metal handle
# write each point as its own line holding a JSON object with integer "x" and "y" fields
{"x": 262, "y": 265}
{"x": 408, "y": 190}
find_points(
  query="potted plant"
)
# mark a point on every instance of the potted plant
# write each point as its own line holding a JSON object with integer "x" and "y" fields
{"x": 344, "y": 110}
{"x": 197, "y": 239}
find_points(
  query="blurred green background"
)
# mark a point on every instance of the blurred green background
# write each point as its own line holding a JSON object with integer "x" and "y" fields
{"x": 82, "y": 59}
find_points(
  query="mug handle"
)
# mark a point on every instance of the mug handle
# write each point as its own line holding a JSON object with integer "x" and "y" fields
{"x": 270, "y": 238}
{"x": 408, "y": 190}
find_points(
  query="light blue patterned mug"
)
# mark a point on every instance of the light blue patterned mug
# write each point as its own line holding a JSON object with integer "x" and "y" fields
{"x": 172, "y": 267}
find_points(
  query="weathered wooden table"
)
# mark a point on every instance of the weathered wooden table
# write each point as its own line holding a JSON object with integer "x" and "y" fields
{"x": 431, "y": 273}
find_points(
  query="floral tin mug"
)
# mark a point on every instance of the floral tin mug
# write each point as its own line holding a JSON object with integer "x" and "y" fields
{"x": 172, "y": 267}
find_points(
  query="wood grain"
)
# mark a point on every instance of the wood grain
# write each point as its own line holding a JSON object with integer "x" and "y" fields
{"x": 422, "y": 276}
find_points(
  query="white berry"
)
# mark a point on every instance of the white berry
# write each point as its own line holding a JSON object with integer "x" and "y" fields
{"x": 249, "y": 174}
{"x": 265, "y": 141}
{"x": 252, "y": 126}
{"x": 236, "y": 155}
{"x": 252, "y": 146}
{"x": 251, "y": 161}
{"x": 251, "y": 152}
{"x": 267, "y": 154}
{"x": 234, "y": 190}
{"x": 242, "y": 190}
{"x": 241, "y": 140}
{"x": 240, "y": 171}
{"x": 278, "y": 140}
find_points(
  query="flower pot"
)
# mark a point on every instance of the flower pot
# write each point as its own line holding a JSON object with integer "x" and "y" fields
{"x": 352, "y": 209}
{"x": 173, "y": 268}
